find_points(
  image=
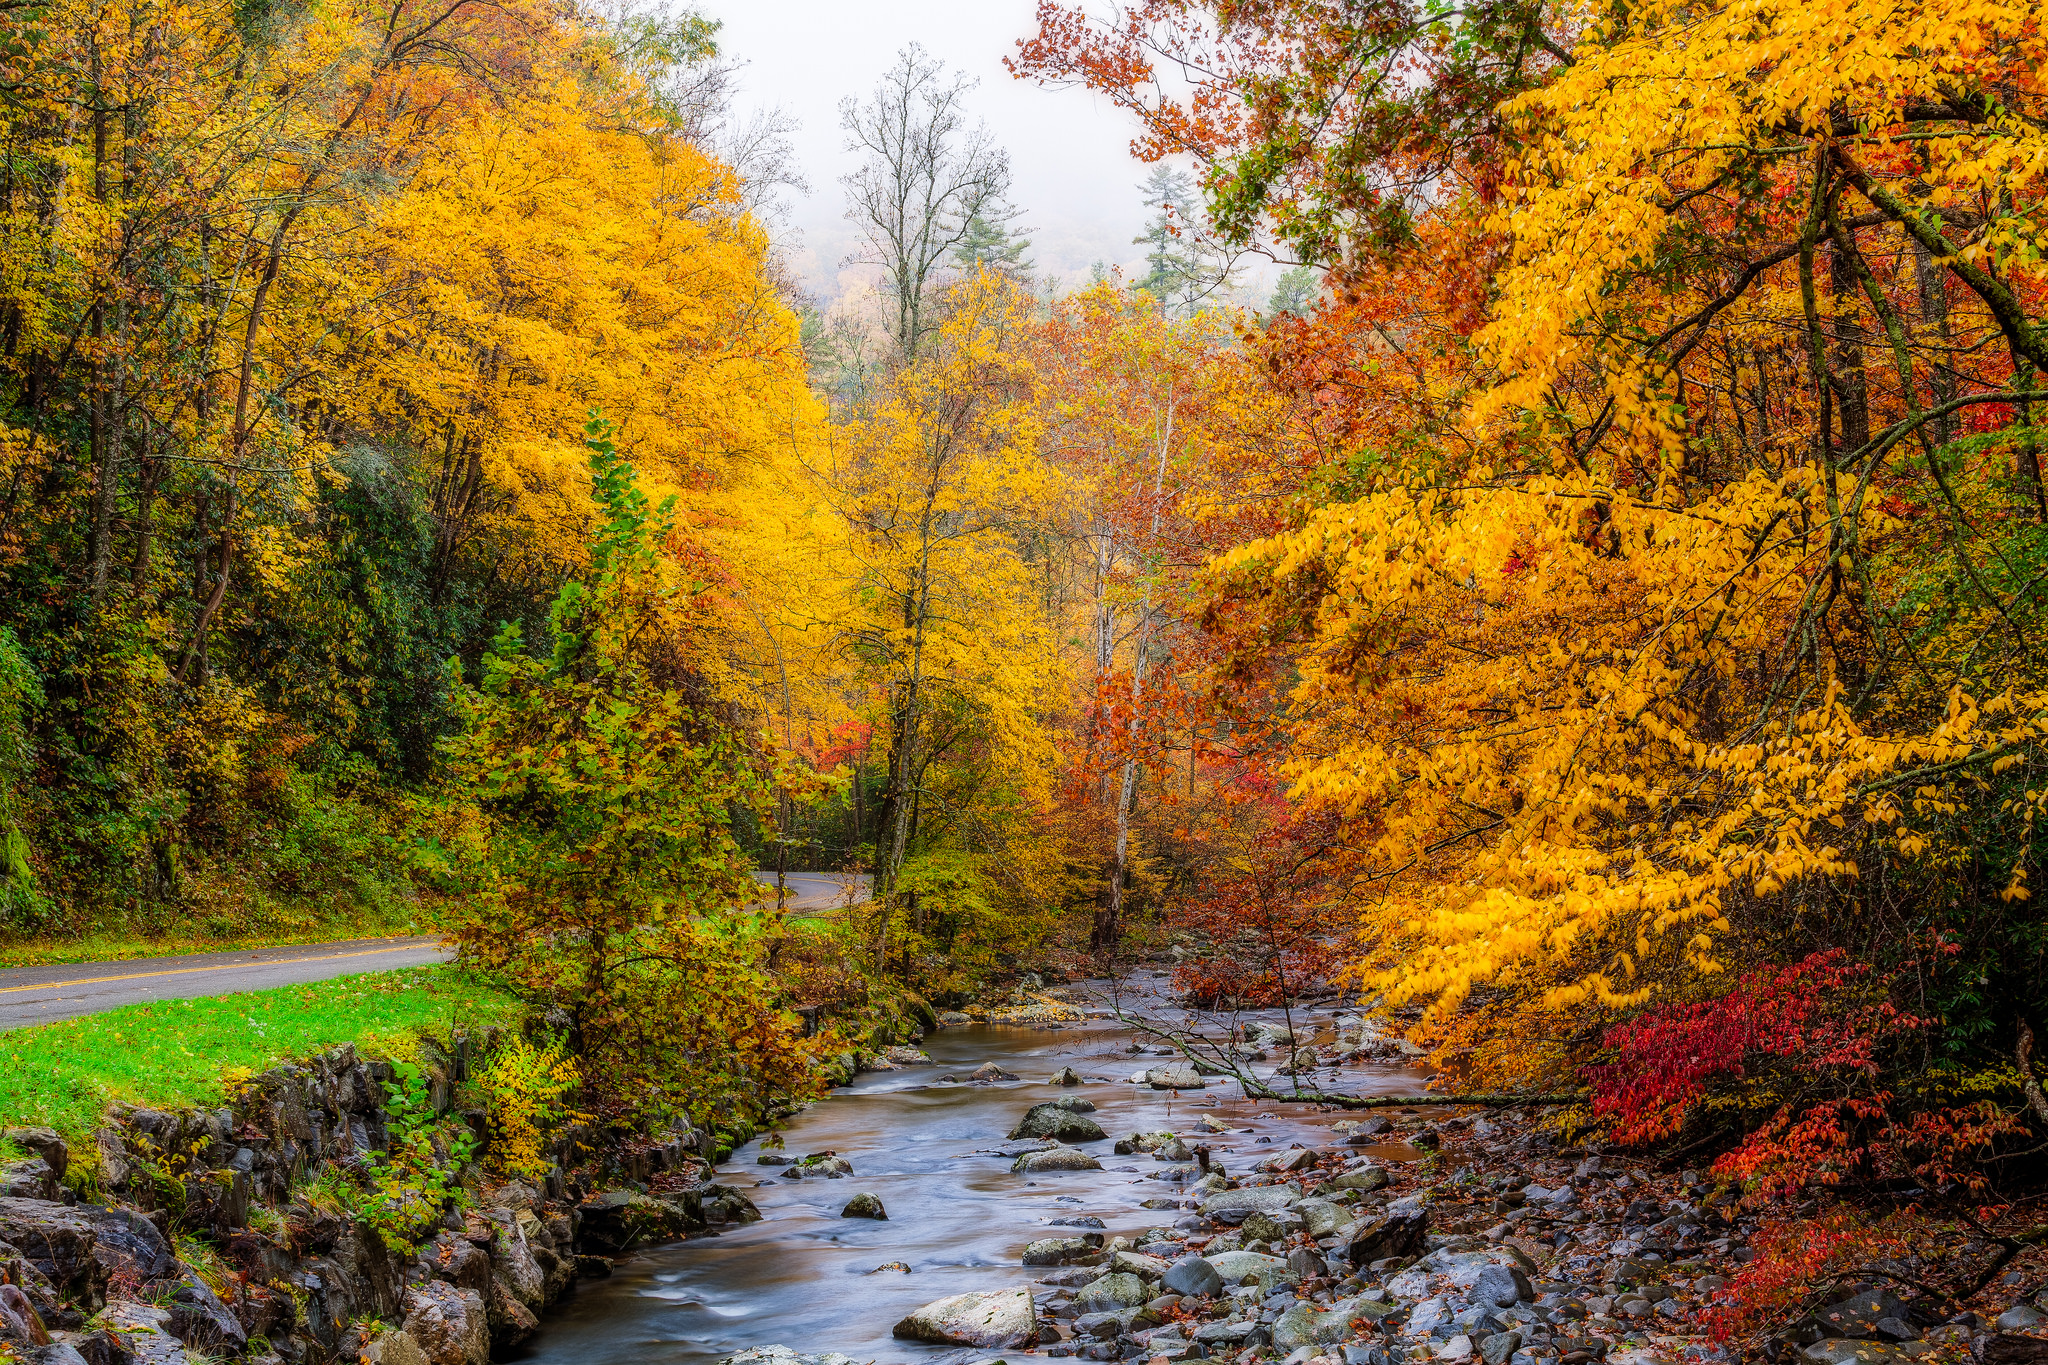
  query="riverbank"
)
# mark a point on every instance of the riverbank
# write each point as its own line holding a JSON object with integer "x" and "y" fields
{"x": 1332, "y": 1237}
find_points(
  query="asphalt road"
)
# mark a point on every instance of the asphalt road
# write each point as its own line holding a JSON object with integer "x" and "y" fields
{"x": 812, "y": 892}
{"x": 41, "y": 995}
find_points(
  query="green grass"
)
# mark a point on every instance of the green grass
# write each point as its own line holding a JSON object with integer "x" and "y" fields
{"x": 179, "y": 1053}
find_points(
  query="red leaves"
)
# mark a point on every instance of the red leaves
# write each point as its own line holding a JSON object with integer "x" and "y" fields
{"x": 1811, "y": 1037}
{"x": 1669, "y": 1056}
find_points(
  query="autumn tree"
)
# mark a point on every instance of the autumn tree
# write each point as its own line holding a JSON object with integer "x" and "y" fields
{"x": 610, "y": 768}
{"x": 926, "y": 178}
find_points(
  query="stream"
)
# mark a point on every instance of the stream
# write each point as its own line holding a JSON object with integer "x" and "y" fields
{"x": 807, "y": 1278}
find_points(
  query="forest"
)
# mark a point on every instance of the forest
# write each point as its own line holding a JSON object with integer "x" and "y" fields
{"x": 1595, "y": 609}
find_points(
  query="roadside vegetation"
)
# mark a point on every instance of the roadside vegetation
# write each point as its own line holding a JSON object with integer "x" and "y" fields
{"x": 1595, "y": 609}
{"x": 178, "y": 1054}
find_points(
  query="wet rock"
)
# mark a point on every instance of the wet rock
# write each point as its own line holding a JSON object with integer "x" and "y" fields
{"x": 986, "y": 1073}
{"x": 1858, "y": 1315}
{"x": 29, "y": 1179}
{"x": 1236, "y": 1267}
{"x": 1066, "y": 1076}
{"x": 1003, "y": 1319}
{"x": 619, "y": 1220}
{"x": 1276, "y": 1226}
{"x": 1055, "y": 1159}
{"x": 1307, "y": 1264}
{"x": 1302, "y": 1325}
{"x": 1119, "y": 1289}
{"x": 1056, "y": 1120}
{"x": 1366, "y": 1179}
{"x": 1061, "y": 1250}
{"x": 784, "y": 1355}
{"x": 1397, "y": 1232}
{"x": 1179, "y": 1076}
{"x": 2007, "y": 1348}
{"x": 1234, "y": 1206}
{"x": 128, "y": 1245}
{"x": 1192, "y": 1276}
{"x": 20, "y": 1323}
{"x": 1151, "y": 1269}
{"x": 1501, "y": 1286}
{"x": 391, "y": 1347}
{"x": 140, "y": 1327}
{"x": 201, "y": 1321}
{"x": 58, "y": 1243}
{"x": 865, "y": 1206}
{"x": 448, "y": 1323}
{"x": 1849, "y": 1351}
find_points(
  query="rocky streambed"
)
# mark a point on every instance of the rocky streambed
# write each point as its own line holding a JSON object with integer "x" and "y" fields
{"x": 1070, "y": 1192}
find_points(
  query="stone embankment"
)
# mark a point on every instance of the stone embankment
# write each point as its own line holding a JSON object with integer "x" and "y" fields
{"x": 227, "y": 1234}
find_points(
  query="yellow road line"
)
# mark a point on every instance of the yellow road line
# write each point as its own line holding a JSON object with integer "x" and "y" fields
{"x": 222, "y": 967}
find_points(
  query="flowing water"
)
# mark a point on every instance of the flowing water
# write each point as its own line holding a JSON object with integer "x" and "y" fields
{"x": 807, "y": 1278}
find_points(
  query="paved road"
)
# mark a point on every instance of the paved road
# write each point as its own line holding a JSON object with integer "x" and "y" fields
{"x": 812, "y": 892}
{"x": 40, "y": 995}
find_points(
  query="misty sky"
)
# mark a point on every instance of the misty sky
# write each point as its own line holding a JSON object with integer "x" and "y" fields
{"x": 1069, "y": 149}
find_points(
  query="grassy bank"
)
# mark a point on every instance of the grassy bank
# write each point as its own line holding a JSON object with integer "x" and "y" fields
{"x": 186, "y": 1052}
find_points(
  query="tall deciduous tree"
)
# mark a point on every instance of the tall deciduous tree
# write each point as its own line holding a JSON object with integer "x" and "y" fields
{"x": 926, "y": 176}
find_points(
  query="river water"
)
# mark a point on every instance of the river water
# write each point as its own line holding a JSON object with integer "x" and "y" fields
{"x": 807, "y": 1278}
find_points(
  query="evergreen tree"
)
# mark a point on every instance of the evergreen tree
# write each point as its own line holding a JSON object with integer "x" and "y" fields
{"x": 1294, "y": 293}
{"x": 991, "y": 240}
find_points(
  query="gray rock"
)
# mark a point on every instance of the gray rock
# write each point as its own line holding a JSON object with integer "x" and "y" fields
{"x": 1397, "y": 1232}
{"x": 1236, "y": 1266}
{"x": 1848, "y": 1351}
{"x": 391, "y": 1347}
{"x": 1151, "y": 1269}
{"x": 1104, "y": 1326}
{"x": 1322, "y": 1217}
{"x": 1500, "y": 1347}
{"x": 1234, "y": 1206}
{"x": 1275, "y": 1226}
{"x": 865, "y": 1206}
{"x": 57, "y": 1242}
{"x": 784, "y": 1355}
{"x": 1058, "y": 1121}
{"x": 1175, "y": 1077}
{"x": 1367, "y": 1179}
{"x": 1859, "y": 1315}
{"x": 1119, "y": 1289}
{"x": 1194, "y": 1277}
{"x": 1225, "y": 1333}
{"x": 140, "y": 1327}
{"x": 2019, "y": 1318}
{"x": 1003, "y": 1319}
{"x": 1303, "y": 1325}
{"x": 1502, "y": 1286}
{"x": 1061, "y": 1250}
{"x": 1055, "y": 1159}
{"x": 448, "y": 1323}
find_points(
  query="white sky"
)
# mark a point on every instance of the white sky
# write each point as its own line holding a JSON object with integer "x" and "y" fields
{"x": 1069, "y": 150}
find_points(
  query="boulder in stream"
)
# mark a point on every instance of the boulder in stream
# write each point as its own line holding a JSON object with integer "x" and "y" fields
{"x": 1066, "y": 1076}
{"x": 1055, "y": 1159}
{"x": 785, "y": 1355}
{"x": 1001, "y": 1319}
{"x": 1059, "y": 1121}
{"x": 1177, "y": 1076}
{"x": 865, "y": 1205}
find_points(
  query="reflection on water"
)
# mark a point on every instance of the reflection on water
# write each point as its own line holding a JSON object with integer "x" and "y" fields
{"x": 809, "y": 1279}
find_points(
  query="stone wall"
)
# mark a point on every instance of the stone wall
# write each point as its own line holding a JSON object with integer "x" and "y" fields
{"x": 195, "y": 1233}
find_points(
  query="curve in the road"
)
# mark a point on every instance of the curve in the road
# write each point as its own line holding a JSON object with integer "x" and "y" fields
{"x": 42, "y": 995}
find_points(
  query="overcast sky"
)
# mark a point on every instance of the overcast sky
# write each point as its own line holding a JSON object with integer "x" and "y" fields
{"x": 1069, "y": 149}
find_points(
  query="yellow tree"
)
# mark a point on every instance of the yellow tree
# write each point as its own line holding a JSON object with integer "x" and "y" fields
{"x": 944, "y": 493}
